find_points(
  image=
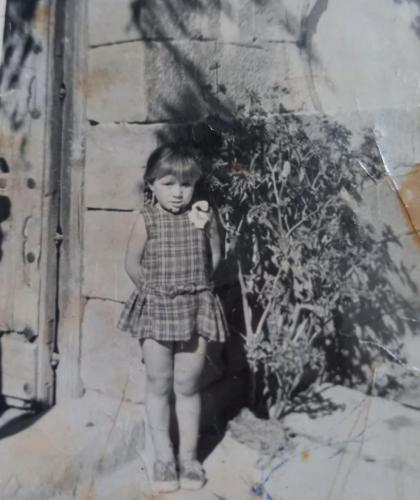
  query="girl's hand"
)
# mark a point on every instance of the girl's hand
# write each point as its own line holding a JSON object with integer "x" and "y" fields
{"x": 199, "y": 214}
{"x": 203, "y": 217}
{"x": 140, "y": 279}
{"x": 134, "y": 253}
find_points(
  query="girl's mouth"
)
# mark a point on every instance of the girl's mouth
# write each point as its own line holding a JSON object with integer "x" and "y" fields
{"x": 176, "y": 206}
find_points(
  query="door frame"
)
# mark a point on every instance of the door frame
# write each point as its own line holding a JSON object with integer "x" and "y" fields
{"x": 70, "y": 84}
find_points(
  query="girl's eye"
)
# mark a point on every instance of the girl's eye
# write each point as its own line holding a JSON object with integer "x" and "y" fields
{"x": 186, "y": 184}
{"x": 167, "y": 180}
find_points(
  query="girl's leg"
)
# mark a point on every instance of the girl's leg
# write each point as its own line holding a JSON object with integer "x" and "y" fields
{"x": 189, "y": 362}
{"x": 158, "y": 358}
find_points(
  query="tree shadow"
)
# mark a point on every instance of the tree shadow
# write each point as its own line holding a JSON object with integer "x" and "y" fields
{"x": 221, "y": 402}
{"x": 359, "y": 329}
{"x": 415, "y": 25}
{"x": 373, "y": 328}
{"x": 200, "y": 93}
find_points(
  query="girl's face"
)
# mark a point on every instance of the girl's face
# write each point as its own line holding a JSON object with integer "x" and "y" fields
{"x": 172, "y": 193}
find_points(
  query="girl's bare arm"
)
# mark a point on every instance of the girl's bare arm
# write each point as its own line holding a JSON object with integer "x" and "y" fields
{"x": 215, "y": 242}
{"x": 135, "y": 249}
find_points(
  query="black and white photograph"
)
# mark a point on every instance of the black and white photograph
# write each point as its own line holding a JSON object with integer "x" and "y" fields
{"x": 209, "y": 249}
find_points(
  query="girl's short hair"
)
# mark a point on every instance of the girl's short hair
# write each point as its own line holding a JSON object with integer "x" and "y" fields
{"x": 174, "y": 159}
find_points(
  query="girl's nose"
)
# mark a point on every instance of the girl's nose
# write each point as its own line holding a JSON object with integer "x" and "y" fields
{"x": 177, "y": 189}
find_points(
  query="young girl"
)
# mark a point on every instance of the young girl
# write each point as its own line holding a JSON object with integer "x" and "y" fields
{"x": 172, "y": 252}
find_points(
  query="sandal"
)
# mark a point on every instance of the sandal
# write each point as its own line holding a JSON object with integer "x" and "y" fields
{"x": 165, "y": 477}
{"x": 191, "y": 475}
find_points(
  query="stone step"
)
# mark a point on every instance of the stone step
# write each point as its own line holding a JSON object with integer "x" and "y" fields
{"x": 70, "y": 447}
{"x": 128, "y": 482}
{"x": 352, "y": 446}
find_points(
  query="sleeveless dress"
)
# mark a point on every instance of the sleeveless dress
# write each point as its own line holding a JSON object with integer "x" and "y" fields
{"x": 176, "y": 298}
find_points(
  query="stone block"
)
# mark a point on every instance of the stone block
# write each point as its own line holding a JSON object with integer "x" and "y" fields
{"x": 381, "y": 206}
{"x": 181, "y": 79}
{"x": 397, "y": 226}
{"x": 317, "y": 473}
{"x": 105, "y": 240}
{"x": 233, "y": 20}
{"x": 368, "y": 449}
{"x": 256, "y": 20}
{"x": 404, "y": 253}
{"x": 263, "y": 70}
{"x": 148, "y": 81}
{"x": 403, "y": 379}
{"x": 231, "y": 470}
{"x": 115, "y": 86}
{"x": 397, "y": 132}
{"x": 152, "y": 19}
{"x": 129, "y": 482}
{"x": 395, "y": 230}
{"x": 179, "y": 19}
{"x": 110, "y": 23}
{"x": 111, "y": 359}
{"x": 373, "y": 435}
{"x": 354, "y": 75}
{"x": 115, "y": 161}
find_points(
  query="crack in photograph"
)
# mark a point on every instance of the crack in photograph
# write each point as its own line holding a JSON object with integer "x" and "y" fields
{"x": 209, "y": 249}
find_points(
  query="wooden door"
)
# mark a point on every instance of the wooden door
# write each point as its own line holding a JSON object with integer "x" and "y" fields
{"x": 29, "y": 201}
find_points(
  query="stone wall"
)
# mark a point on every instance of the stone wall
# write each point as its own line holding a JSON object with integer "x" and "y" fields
{"x": 158, "y": 63}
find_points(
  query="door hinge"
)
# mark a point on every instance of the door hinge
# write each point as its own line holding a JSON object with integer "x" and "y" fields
{"x": 58, "y": 238}
{"x": 62, "y": 92}
{"x": 54, "y": 360}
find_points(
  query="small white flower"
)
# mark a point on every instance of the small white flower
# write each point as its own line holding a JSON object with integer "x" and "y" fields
{"x": 199, "y": 214}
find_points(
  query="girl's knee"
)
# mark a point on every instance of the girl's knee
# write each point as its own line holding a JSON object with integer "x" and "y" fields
{"x": 159, "y": 385}
{"x": 186, "y": 386}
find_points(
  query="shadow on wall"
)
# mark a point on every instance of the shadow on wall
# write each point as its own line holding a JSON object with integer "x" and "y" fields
{"x": 199, "y": 96}
{"x": 162, "y": 21}
{"x": 5, "y": 209}
{"x": 206, "y": 119}
{"x": 19, "y": 43}
{"x": 415, "y": 25}
{"x": 2, "y": 400}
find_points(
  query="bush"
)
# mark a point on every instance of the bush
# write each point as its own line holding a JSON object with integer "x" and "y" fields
{"x": 285, "y": 186}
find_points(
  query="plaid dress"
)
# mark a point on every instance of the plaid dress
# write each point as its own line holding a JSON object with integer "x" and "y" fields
{"x": 176, "y": 299}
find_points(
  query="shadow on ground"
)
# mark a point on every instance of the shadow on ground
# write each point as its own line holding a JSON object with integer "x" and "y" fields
{"x": 222, "y": 401}
{"x": 19, "y": 420}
